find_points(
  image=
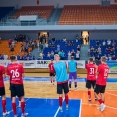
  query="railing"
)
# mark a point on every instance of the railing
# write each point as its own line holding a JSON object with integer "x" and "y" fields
{"x": 58, "y": 23}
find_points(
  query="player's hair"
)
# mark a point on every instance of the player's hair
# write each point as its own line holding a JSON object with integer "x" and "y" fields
{"x": 13, "y": 57}
{"x": 103, "y": 59}
{"x": 56, "y": 55}
{"x": 91, "y": 59}
{"x": 72, "y": 57}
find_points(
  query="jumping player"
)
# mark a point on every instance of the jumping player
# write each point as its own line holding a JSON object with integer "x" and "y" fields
{"x": 2, "y": 90}
{"x": 62, "y": 80}
{"x": 91, "y": 76}
{"x": 15, "y": 71}
{"x": 103, "y": 70}
{"x": 52, "y": 72}
{"x": 72, "y": 65}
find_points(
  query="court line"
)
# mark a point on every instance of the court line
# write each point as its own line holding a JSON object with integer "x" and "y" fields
{"x": 58, "y": 110}
{"x": 98, "y": 105}
{"x": 80, "y": 107}
{"x": 111, "y": 94}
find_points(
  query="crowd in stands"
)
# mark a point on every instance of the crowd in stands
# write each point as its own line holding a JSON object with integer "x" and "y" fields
{"x": 106, "y": 48}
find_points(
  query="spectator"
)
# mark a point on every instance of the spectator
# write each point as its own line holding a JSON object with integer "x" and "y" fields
{"x": 69, "y": 55}
{"x": 106, "y": 56}
{"x": 41, "y": 56}
{"x": 72, "y": 43}
{"x": 104, "y": 43}
{"x": 89, "y": 51}
{"x": 58, "y": 47}
{"x": 16, "y": 39}
{"x": 109, "y": 57}
{"x": 18, "y": 57}
{"x": 2, "y": 56}
{"x": 46, "y": 45}
{"x": 64, "y": 39}
{"x": 9, "y": 43}
{"x": 108, "y": 42}
{"x": 34, "y": 57}
{"x": 97, "y": 43}
{"x": 24, "y": 57}
{"x": 72, "y": 53}
{"x": 96, "y": 52}
{"x": 113, "y": 57}
{"x": 77, "y": 55}
{"x": 26, "y": 41}
{"x": 53, "y": 40}
{"x": 5, "y": 56}
{"x": 12, "y": 49}
{"x": 48, "y": 55}
{"x": 41, "y": 47}
{"x": 52, "y": 54}
{"x": 93, "y": 58}
{"x": 99, "y": 50}
{"x": 62, "y": 55}
{"x": 30, "y": 56}
{"x": 69, "y": 43}
{"x": 92, "y": 49}
{"x": 77, "y": 37}
{"x": 78, "y": 48}
{"x": 97, "y": 58}
{"x": 26, "y": 49}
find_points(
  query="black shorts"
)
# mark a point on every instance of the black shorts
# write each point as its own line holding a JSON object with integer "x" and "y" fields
{"x": 52, "y": 74}
{"x": 90, "y": 83}
{"x": 17, "y": 90}
{"x": 99, "y": 89}
{"x": 62, "y": 87}
{"x": 2, "y": 91}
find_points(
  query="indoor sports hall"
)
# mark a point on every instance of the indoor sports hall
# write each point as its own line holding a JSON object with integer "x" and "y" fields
{"x": 34, "y": 31}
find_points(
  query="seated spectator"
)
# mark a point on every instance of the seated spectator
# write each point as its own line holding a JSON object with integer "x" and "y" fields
{"x": 53, "y": 40}
{"x": 114, "y": 57}
{"x": 78, "y": 48}
{"x": 72, "y": 43}
{"x": 97, "y": 43}
{"x": 30, "y": 56}
{"x": 99, "y": 50}
{"x": 64, "y": 39}
{"x": 41, "y": 56}
{"x": 92, "y": 49}
{"x": 93, "y": 58}
{"x": 69, "y": 55}
{"x": 58, "y": 47}
{"x": 24, "y": 57}
{"x": 48, "y": 55}
{"x": 109, "y": 57}
{"x": 9, "y": 43}
{"x": 26, "y": 49}
{"x": 62, "y": 55}
{"x": 26, "y": 41}
{"x": 112, "y": 52}
{"x": 12, "y": 49}
{"x": 2, "y": 56}
{"x": 77, "y": 55}
{"x": 52, "y": 54}
{"x": 97, "y": 57}
{"x": 34, "y": 58}
{"x": 106, "y": 56}
{"x": 69, "y": 43}
{"x": 104, "y": 43}
{"x": 109, "y": 42}
{"x": 96, "y": 52}
{"x": 72, "y": 53}
{"x": 46, "y": 45}
{"x": 18, "y": 57}
{"x": 77, "y": 37}
{"x": 5, "y": 56}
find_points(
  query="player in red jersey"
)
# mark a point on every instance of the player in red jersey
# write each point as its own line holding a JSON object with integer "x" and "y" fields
{"x": 2, "y": 90}
{"x": 103, "y": 70}
{"x": 52, "y": 72}
{"x": 91, "y": 76}
{"x": 15, "y": 71}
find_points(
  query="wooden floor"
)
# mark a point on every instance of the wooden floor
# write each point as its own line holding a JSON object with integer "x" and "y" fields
{"x": 47, "y": 90}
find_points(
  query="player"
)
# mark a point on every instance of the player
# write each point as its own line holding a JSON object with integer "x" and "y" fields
{"x": 91, "y": 76}
{"x": 2, "y": 90}
{"x": 52, "y": 72}
{"x": 19, "y": 98}
{"x": 62, "y": 80}
{"x": 72, "y": 65}
{"x": 15, "y": 71}
{"x": 103, "y": 71}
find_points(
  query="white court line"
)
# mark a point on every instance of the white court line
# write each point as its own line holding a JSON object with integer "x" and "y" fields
{"x": 111, "y": 94}
{"x": 80, "y": 107}
{"x": 58, "y": 110}
{"x": 98, "y": 105}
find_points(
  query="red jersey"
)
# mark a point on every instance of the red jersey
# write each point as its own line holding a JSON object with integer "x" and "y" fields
{"x": 91, "y": 71}
{"x": 2, "y": 71}
{"x": 103, "y": 71}
{"x": 51, "y": 67}
{"x": 15, "y": 72}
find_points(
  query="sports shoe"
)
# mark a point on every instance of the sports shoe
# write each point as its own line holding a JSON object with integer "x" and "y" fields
{"x": 76, "y": 88}
{"x": 89, "y": 99}
{"x": 103, "y": 106}
{"x": 6, "y": 113}
{"x": 67, "y": 107}
{"x": 24, "y": 115}
{"x": 61, "y": 110}
{"x": 99, "y": 108}
{"x": 70, "y": 88}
